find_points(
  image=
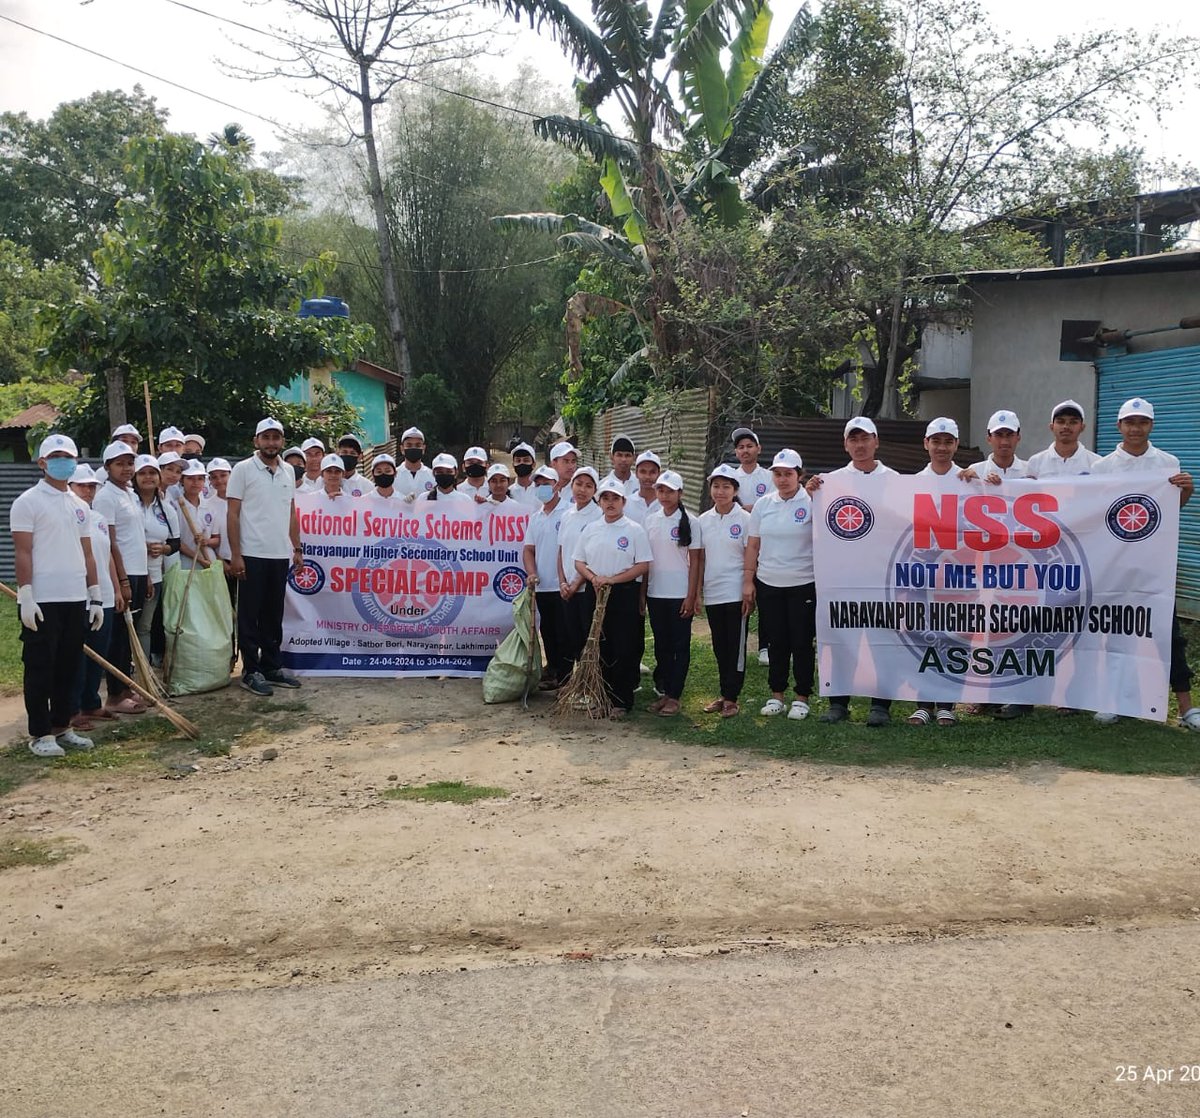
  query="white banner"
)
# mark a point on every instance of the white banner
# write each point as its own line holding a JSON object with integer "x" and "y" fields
{"x": 391, "y": 588}
{"x": 1058, "y": 592}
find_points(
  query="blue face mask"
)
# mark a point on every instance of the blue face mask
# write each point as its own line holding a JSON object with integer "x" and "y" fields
{"x": 543, "y": 493}
{"x": 60, "y": 469}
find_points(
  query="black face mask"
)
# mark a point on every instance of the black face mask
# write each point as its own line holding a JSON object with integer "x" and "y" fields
{"x": 385, "y": 481}
{"x": 444, "y": 481}
{"x": 413, "y": 454}
{"x": 475, "y": 470}
{"x": 523, "y": 469}
{"x": 299, "y": 472}
{"x": 192, "y": 457}
{"x": 349, "y": 462}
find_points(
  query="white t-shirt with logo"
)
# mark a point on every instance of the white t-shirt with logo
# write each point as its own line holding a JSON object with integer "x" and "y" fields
{"x": 1019, "y": 468}
{"x": 631, "y": 483}
{"x": 1120, "y": 461}
{"x": 524, "y": 494}
{"x": 266, "y": 513}
{"x": 58, "y": 520}
{"x": 409, "y": 485}
{"x": 1048, "y": 463}
{"x": 785, "y": 556}
{"x": 102, "y": 553}
{"x": 162, "y": 520}
{"x": 670, "y": 563}
{"x": 637, "y": 508}
{"x": 122, "y": 511}
{"x": 609, "y": 549}
{"x": 753, "y": 486}
{"x": 724, "y": 540}
{"x": 473, "y": 491}
{"x": 452, "y": 499}
{"x": 542, "y": 535}
{"x": 570, "y": 528}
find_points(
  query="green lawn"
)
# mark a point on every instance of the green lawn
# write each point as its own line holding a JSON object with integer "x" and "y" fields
{"x": 1075, "y": 741}
{"x": 10, "y": 649}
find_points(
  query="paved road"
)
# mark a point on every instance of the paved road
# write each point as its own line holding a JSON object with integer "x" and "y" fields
{"x": 1025, "y": 1024}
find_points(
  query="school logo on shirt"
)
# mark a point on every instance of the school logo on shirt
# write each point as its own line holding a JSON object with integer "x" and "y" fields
{"x": 1132, "y": 518}
{"x": 675, "y": 531}
{"x": 622, "y": 543}
{"x": 160, "y": 515}
{"x": 308, "y": 580}
{"x": 428, "y": 486}
{"x": 208, "y": 518}
{"x": 801, "y": 515}
{"x": 508, "y": 583}
{"x": 760, "y": 488}
{"x": 735, "y": 531}
{"x": 848, "y": 518}
{"x": 80, "y": 515}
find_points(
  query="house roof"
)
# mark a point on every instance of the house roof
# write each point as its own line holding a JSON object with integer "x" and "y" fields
{"x": 31, "y": 417}
{"x": 378, "y": 372}
{"x": 1126, "y": 266}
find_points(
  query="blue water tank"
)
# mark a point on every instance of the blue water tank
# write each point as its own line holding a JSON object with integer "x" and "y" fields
{"x": 329, "y": 307}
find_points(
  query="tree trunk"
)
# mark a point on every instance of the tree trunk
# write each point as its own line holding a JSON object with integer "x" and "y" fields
{"x": 890, "y": 405}
{"x": 391, "y": 296}
{"x": 115, "y": 379}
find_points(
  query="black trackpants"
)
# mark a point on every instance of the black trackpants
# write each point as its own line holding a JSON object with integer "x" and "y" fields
{"x": 260, "y": 614}
{"x": 120, "y": 655}
{"x": 552, "y": 626}
{"x": 672, "y": 644}
{"x": 577, "y": 620}
{"x": 51, "y": 656}
{"x": 728, "y": 629}
{"x": 1180, "y": 674}
{"x": 622, "y": 635}
{"x": 789, "y": 616}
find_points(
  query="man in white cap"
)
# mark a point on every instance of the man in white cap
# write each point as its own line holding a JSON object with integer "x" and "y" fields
{"x": 127, "y": 433}
{"x": 475, "y": 467}
{"x": 1003, "y": 436}
{"x": 58, "y": 596}
{"x": 413, "y": 479}
{"x": 171, "y": 440}
{"x": 1065, "y": 457}
{"x": 445, "y": 479}
{"x": 350, "y": 449}
{"x": 643, "y": 500}
{"x": 313, "y": 451}
{"x": 193, "y": 445}
{"x": 264, "y": 540}
{"x": 522, "y": 490}
{"x": 754, "y": 481}
{"x": 564, "y": 461}
{"x": 294, "y": 457}
{"x": 621, "y": 454}
{"x": 540, "y": 557}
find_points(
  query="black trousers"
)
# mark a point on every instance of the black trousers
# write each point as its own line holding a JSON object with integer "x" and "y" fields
{"x": 576, "y": 621}
{"x": 231, "y": 584}
{"x": 672, "y": 644}
{"x": 119, "y": 653}
{"x": 788, "y": 614}
{"x": 51, "y": 657}
{"x": 624, "y": 632}
{"x": 1180, "y": 674}
{"x": 552, "y": 625}
{"x": 260, "y": 614}
{"x": 844, "y": 701}
{"x": 728, "y": 629}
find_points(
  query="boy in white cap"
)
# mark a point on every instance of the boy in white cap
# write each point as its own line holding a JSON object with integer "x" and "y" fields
{"x": 171, "y": 440}
{"x": 384, "y": 476}
{"x": 540, "y": 558}
{"x": 413, "y": 479}
{"x": 621, "y": 453}
{"x": 1064, "y": 457}
{"x": 1003, "y": 436}
{"x": 127, "y": 433}
{"x": 497, "y": 483}
{"x": 350, "y": 450}
{"x": 521, "y": 490}
{"x": 445, "y": 478}
{"x": 644, "y": 500}
{"x": 58, "y": 596}
{"x": 754, "y": 481}
{"x": 313, "y": 450}
{"x": 294, "y": 457}
{"x": 475, "y": 463}
{"x": 264, "y": 540}
{"x": 564, "y": 461}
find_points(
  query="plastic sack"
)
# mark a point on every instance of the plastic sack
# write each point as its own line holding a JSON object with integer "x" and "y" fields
{"x": 197, "y": 657}
{"x": 517, "y": 665}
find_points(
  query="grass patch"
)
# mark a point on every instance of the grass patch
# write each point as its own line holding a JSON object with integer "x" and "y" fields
{"x": 11, "y": 668}
{"x": 32, "y": 852}
{"x": 444, "y": 791}
{"x": 1044, "y": 737}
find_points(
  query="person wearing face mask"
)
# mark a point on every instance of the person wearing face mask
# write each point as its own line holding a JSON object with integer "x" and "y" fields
{"x": 475, "y": 467}
{"x": 522, "y": 490}
{"x": 58, "y": 596}
{"x": 193, "y": 446}
{"x": 294, "y": 457}
{"x": 413, "y": 479}
{"x": 540, "y": 557}
{"x": 445, "y": 478}
{"x": 350, "y": 450}
{"x": 310, "y": 480}
{"x": 384, "y": 476}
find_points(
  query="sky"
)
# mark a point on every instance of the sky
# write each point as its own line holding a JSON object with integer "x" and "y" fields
{"x": 167, "y": 39}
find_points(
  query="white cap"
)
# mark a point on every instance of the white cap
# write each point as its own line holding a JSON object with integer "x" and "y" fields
{"x": 83, "y": 475}
{"x": 168, "y": 457}
{"x": 126, "y": 429}
{"x": 1064, "y": 406}
{"x": 498, "y": 470}
{"x": 268, "y": 424}
{"x": 544, "y": 473}
{"x": 1003, "y": 421}
{"x": 941, "y": 426}
{"x": 142, "y": 461}
{"x": 587, "y": 471}
{"x": 610, "y": 485}
{"x": 523, "y": 448}
{"x": 860, "y": 423}
{"x": 218, "y": 464}
{"x": 670, "y": 479}
{"x": 195, "y": 468}
{"x": 726, "y": 471}
{"x": 57, "y": 444}
{"x": 1136, "y": 406}
{"x": 113, "y": 450}
{"x": 413, "y": 433}
{"x": 560, "y": 449}
{"x": 310, "y": 442}
{"x": 331, "y": 461}
{"x": 648, "y": 456}
{"x": 476, "y": 452}
{"x": 292, "y": 450}
{"x": 349, "y": 438}
{"x": 382, "y": 458}
{"x": 173, "y": 435}
{"x": 194, "y": 439}
{"x": 444, "y": 462}
{"x": 787, "y": 458}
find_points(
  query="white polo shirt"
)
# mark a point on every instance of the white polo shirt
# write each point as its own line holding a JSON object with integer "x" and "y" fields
{"x": 307, "y": 484}
{"x": 266, "y": 513}
{"x": 473, "y": 491}
{"x": 851, "y": 470}
{"x": 630, "y": 484}
{"x": 202, "y": 519}
{"x": 161, "y": 520}
{"x": 524, "y": 494}
{"x": 574, "y": 521}
{"x": 214, "y": 512}
{"x": 753, "y": 486}
{"x": 785, "y": 557}
{"x": 670, "y": 563}
{"x": 354, "y": 485}
{"x": 724, "y": 540}
{"x": 949, "y": 482}
{"x": 453, "y": 498}
{"x": 1120, "y": 461}
{"x": 410, "y": 485}
{"x": 58, "y": 521}
{"x": 101, "y": 552}
{"x": 609, "y": 549}
{"x": 122, "y": 511}
{"x": 542, "y": 535}
{"x": 1049, "y": 463}
{"x": 637, "y": 508}
{"x": 1019, "y": 468}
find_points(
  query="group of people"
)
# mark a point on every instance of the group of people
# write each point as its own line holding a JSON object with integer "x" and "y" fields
{"x": 92, "y": 545}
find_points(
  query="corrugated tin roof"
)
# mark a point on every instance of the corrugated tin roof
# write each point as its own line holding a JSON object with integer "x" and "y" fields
{"x": 32, "y": 416}
{"x": 1126, "y": 266}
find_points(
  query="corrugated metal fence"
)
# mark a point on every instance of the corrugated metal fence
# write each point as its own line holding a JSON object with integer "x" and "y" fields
{"x": 15, "y": 478}
{"x": 1170, "y": 380}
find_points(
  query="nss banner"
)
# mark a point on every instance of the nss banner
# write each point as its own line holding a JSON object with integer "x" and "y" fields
{"x": 1058, "y": 592}
{"x": 390, "y": 588}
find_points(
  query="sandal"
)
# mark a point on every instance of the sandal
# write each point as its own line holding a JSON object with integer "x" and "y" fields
{"x": 730, "y": 708}
{"x": 715, "y": 706}
{"x": 919, "y": 717}
{"x": 657, "y": 705}
{"x": 668, "y": 709}
{"x": 128, "y": 705}
{"x": 773, "y": 706}
{"x": 946, "y": 718}
{"x": 99, "y": 715}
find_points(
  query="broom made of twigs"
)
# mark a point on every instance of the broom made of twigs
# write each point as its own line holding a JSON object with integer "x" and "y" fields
{"x": 585, "y": 693}
{"x": 184, "y": 725}
{"x": 141, "y": 662}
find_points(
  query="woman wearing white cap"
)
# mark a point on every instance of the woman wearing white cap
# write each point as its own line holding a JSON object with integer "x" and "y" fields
{"x": 540, "y": 557}
{"x": 170, "y": 473}
{"x": 723, "y": 532}
{"x": 475, "y": 464}
{"x": 445, "y": 481}
{"x": 161, "y": 519}
{"x": 384, "y": 476}
{"x": 413, "y": 479}
{"x": 582, "y": 512}
{"x": 197, "y": 542}
{"x": 777, "y": 577}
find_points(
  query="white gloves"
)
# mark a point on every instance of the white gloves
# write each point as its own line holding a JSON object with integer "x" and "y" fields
{"x": 30, "y": 614}
{"x": 95, "y": 608}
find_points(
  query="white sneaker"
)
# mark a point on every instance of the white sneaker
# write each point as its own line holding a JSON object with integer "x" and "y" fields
{"x": 46, "y": 746}
{"x": 772, "y": 706}
{"x": 1103, "y": 718}
{"x": 764, "y": 657}
{"x": 1191, "y": 720}
{"x": 73, "y": 741}
{"x": 799, "y": 711}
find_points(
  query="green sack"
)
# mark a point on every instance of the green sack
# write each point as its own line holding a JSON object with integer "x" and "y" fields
{"x": 200, "y": 642}
{"x": 517, "y": 665}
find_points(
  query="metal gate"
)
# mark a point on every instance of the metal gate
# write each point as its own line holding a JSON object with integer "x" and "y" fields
{"x": 1170, "y": 380}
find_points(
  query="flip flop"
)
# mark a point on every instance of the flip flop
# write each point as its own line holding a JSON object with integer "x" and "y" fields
{"x": 715, "y": 707}
{"x": 127, "y": 706}
{"x": 730, "y": 708}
